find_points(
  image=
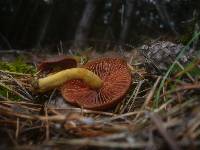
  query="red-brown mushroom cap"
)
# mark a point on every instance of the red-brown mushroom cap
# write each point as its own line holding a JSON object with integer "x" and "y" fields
{"x": 116, "y": 78}
{"x": 57, "y": 63}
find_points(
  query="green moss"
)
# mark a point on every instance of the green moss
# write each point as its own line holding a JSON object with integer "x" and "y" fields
{"x": 18, "y": 66}
{"x": 8, "y": 94}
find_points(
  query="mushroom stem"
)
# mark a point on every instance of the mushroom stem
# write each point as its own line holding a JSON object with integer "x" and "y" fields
{"x": 57, "y": 79}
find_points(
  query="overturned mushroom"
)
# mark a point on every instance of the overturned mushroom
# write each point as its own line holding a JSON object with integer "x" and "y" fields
{"x": 99, "y": 84}
{"x": 57, "y": 63}
{"x": 116, "y": 78}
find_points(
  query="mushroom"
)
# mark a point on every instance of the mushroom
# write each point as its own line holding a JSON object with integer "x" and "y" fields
{"x": 57, "y": 63}
{"x": 116, "y": 78}
{"x": 99, "y": 84}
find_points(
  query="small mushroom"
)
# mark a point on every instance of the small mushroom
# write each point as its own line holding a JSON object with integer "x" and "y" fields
{"x": 57, "y": 63}
{"x": 116, "y": 78}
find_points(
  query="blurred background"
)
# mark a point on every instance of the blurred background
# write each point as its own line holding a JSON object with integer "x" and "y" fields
{"x": 28, "y": 24}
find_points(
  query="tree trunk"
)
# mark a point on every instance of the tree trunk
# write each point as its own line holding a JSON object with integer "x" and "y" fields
{"x": 43, "y": 26}
{"x": 85, "y": 23}
{"x": 162, "y": 11}
{"x": 109, "y": 33}
{"x": 126, "y": 20}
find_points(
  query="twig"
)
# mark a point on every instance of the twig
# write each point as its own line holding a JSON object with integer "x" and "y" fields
{"x": 132, "y": 97}
{"x": 164, "y": 105}
{"x": 183, "y": 87}
{"x": 159, "y": 124}
{"x": 15, "y": 73}
{"x": 17, "y": 129}
{"x": 108, "y": 144}
{"x": 15, "y": 92}
{"x": 23, "y": 103}
{"x": 185, "y": 71}
{"x": 84, "y": 110}
{"x": 23, "y": 89}
{"x": 151, "y": 93}
{"x": 149, "y": 96}
{"x": 47, "y": 124}
{"x": 113, "y": 137}
{"x": 135, "y": 95}
{"x": 50, "y": 97}
{"x": 121, "y": 116}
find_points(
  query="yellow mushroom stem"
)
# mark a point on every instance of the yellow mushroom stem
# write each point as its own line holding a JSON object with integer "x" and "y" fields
{"x": 55, "y": 80}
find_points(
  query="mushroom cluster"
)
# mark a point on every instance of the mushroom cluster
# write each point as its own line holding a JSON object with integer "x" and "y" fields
{"x": 98, "y": 85}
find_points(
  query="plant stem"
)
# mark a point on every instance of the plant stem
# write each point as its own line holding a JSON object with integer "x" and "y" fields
{"x": 57, "y": 79}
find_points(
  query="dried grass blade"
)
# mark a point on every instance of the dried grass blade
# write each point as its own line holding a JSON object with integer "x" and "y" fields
{"x": 159, "y": 124}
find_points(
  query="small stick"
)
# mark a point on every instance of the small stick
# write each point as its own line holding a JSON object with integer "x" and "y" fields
{"x": 110, "y": 144}
{"x": 183, "y": 87}
{"x": 15, "y": 92}
{"x": 159, "y": 124}
{"x": 17, "y": 129}
{"x": 47, "y": 124}
{"x": 85, "y": 111}
{"x": 15, "y": 73}
{"x": 136, "y": 93}
{"x": 151, "y": 93}
{"x": 122, "y": 116}
{"x": 149, "y": 96}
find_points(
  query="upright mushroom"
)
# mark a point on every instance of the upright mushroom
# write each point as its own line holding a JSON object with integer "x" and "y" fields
{"x": 116, "y": 78}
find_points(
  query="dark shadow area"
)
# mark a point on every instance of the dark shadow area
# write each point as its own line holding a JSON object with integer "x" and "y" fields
{"x": 29, "y": 24}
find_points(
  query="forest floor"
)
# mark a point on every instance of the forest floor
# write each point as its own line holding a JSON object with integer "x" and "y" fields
{"x": 160, "y": 111}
